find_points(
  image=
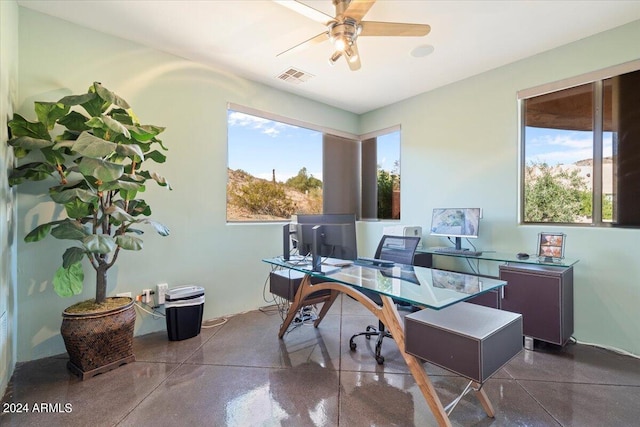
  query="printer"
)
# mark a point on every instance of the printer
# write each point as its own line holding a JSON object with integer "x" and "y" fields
{"x": 404, "y": 230}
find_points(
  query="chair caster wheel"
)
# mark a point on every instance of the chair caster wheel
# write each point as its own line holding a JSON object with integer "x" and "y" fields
{"x": 380, "y": 360}
{"x": 352, "y": 346}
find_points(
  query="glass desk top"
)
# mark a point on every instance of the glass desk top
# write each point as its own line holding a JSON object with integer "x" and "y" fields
{"x": 421, "y": 286}
{"x": 505, "y": 257}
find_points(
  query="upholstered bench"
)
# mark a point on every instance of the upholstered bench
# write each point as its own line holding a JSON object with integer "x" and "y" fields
{"x": 468, "y": 339}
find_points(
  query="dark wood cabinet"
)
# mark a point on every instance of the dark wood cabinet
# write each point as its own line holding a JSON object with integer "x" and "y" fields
{"x": 544, "y": 297}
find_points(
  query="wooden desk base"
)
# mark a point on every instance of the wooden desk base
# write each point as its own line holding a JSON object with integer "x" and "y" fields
{"x": 389, "y": 316}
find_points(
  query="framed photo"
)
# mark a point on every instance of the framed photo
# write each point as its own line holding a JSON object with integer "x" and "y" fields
{"x": 551, "y": 245}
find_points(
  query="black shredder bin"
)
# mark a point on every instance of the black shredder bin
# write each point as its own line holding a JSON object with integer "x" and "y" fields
{"x": 183, "y": 308}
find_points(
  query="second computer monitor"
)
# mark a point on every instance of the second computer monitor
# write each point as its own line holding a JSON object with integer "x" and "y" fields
{"x": 337, "y": 235}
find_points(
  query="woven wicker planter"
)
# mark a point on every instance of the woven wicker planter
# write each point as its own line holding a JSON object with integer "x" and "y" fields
{"x": 98, "y": 342}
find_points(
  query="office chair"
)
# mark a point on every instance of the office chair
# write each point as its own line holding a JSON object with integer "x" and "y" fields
{"x": 399, "y": 249}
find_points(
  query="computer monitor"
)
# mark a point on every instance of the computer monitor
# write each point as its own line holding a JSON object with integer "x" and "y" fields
{"x": 336, "y": 235}
{"x": 456, "y": 222}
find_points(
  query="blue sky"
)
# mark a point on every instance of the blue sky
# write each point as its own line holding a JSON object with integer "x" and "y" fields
{"x": 554, "y": 146}
{"x": 285, "y": 148}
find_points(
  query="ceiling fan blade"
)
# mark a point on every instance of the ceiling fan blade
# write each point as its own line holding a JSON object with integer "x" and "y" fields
{"x": 307, "y": 11}
{"x": 373, "y": 28}
{"x": 354, "y": 63}
{"x": 307, "y": 43}
{"x": 358, "y": 8}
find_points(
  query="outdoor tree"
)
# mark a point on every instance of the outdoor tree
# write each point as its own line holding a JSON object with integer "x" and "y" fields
{"x": 303, "y": 181}
{"x": 553, "y": 194}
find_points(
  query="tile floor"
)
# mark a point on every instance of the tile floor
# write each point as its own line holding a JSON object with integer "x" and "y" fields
{"x": 241, "y": 374}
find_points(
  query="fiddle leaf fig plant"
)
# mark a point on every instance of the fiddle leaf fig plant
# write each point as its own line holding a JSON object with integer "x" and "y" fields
{"x": 95, "y": 150}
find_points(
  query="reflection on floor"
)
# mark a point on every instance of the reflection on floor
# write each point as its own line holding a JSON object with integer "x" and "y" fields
{"x": 241, "y": 374}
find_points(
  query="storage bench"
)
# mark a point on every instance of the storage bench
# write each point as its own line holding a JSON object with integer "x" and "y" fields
{"x": 468, "y": 339}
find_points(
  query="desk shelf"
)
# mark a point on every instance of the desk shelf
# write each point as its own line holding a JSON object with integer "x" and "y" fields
{"x": 539, "y": 289}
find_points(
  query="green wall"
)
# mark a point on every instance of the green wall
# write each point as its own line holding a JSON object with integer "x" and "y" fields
{"x": 460, "y": 148}
{"x": 190, "y": 100}
{"x": 467, "y": 130}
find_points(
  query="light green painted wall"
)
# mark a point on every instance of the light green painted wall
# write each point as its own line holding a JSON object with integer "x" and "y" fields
{"x": 8, "y": 98}
{"x": 460, "y": 148}
{"x": 190, "y": 100}
{"x": 468, "y": 128}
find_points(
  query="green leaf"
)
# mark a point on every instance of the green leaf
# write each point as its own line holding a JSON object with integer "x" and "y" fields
{"x": 139, "y": 133}
{"x": 22, "y": 127}
{"x": 155, "y": 130}
{"x": 49, "y": 112}
{"x": 136, "y": 207}
{"x": 60, "y": 145}
{"x": 99, "y": 243}
{"x": 77, "y": 99}
{"x": 92, "y": 146}
{"x": 159, "y": 179}
{"x": 130, "y": 150}
{"x": 38, "y": 233}
{"x": 69, "y": 230}
{"x": 122, "y": 116}
{"x": 66, "y": 196}
{"x": 36, "y": 171}
{"x": 94, "y": 105}
{"x": 118, "y": 213}
{"x": 116, "y": 126}
{"x": 71, "y": 256}
{"x": 74, "y": 121}
{"x": 78, "y": 209}
{"x": 53, "y": 156}
{"x": 122, "y": 185}
{"x": 110, "y": 97}
{"x": 100, "y": 169}
{"x": 157, "y": 156}
{"x": 68, "y": 281}
{"x": 29, "y": 143}
{"x": 161, "y": 229}
{"x": 130, "y": 243}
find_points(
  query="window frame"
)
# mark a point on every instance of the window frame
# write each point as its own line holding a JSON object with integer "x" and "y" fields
{"x": 596, "y": 78}
{"x": 326, "y": 132}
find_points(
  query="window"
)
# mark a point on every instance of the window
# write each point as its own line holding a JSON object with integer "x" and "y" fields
{"x": 274, "y": 169}
{"x": 381, "y": 174}
{"x": 279, "y": 167}
{"x": 581, "y": 150}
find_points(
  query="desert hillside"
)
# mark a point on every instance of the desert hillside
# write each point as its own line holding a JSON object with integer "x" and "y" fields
{"x": 238, "y": 182}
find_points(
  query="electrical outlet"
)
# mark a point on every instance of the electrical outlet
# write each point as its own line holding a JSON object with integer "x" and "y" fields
{"x": 146, "y": 296}
{"x": 162, "y": 290}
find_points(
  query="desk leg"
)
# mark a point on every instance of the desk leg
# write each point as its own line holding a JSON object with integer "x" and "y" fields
{"x": 304, "y": 290}
{"x": 389, "y": 315}
{"x": 325, "y": 307}
{"x": 484, "y": 400}
{"x": 392, "y": 321}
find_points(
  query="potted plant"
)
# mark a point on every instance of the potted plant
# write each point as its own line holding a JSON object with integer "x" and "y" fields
{"x": 96, "y": 156}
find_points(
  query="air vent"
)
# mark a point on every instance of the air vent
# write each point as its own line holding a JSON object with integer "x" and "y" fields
{"x": 294, "y": 76}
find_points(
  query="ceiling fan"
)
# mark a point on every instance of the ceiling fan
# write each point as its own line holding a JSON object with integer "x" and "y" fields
{"x": 344, "y": 29}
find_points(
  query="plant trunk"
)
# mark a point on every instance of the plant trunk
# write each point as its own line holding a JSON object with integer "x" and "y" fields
{"x": 101, "y": 284}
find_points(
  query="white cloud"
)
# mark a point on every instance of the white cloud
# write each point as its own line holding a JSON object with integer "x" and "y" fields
{"x": 265, "y": 126}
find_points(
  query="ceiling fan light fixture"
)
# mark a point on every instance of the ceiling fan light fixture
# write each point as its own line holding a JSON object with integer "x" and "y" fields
{"x": 350, "y": 54}
{"x": 334, "y": 58}
{"x": 340, "y": 43}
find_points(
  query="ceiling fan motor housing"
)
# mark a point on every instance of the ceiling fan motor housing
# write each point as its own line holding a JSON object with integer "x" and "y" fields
{"x": 345, "y": 32}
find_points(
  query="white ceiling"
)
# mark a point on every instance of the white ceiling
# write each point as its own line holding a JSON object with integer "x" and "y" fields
{"x": 244, "y": 37}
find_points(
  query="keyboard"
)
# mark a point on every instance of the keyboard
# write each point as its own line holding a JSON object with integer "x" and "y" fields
{"x": 454, "y": 251}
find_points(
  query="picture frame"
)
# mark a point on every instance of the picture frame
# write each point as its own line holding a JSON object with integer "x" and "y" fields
{"x": 551, "y": 245}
